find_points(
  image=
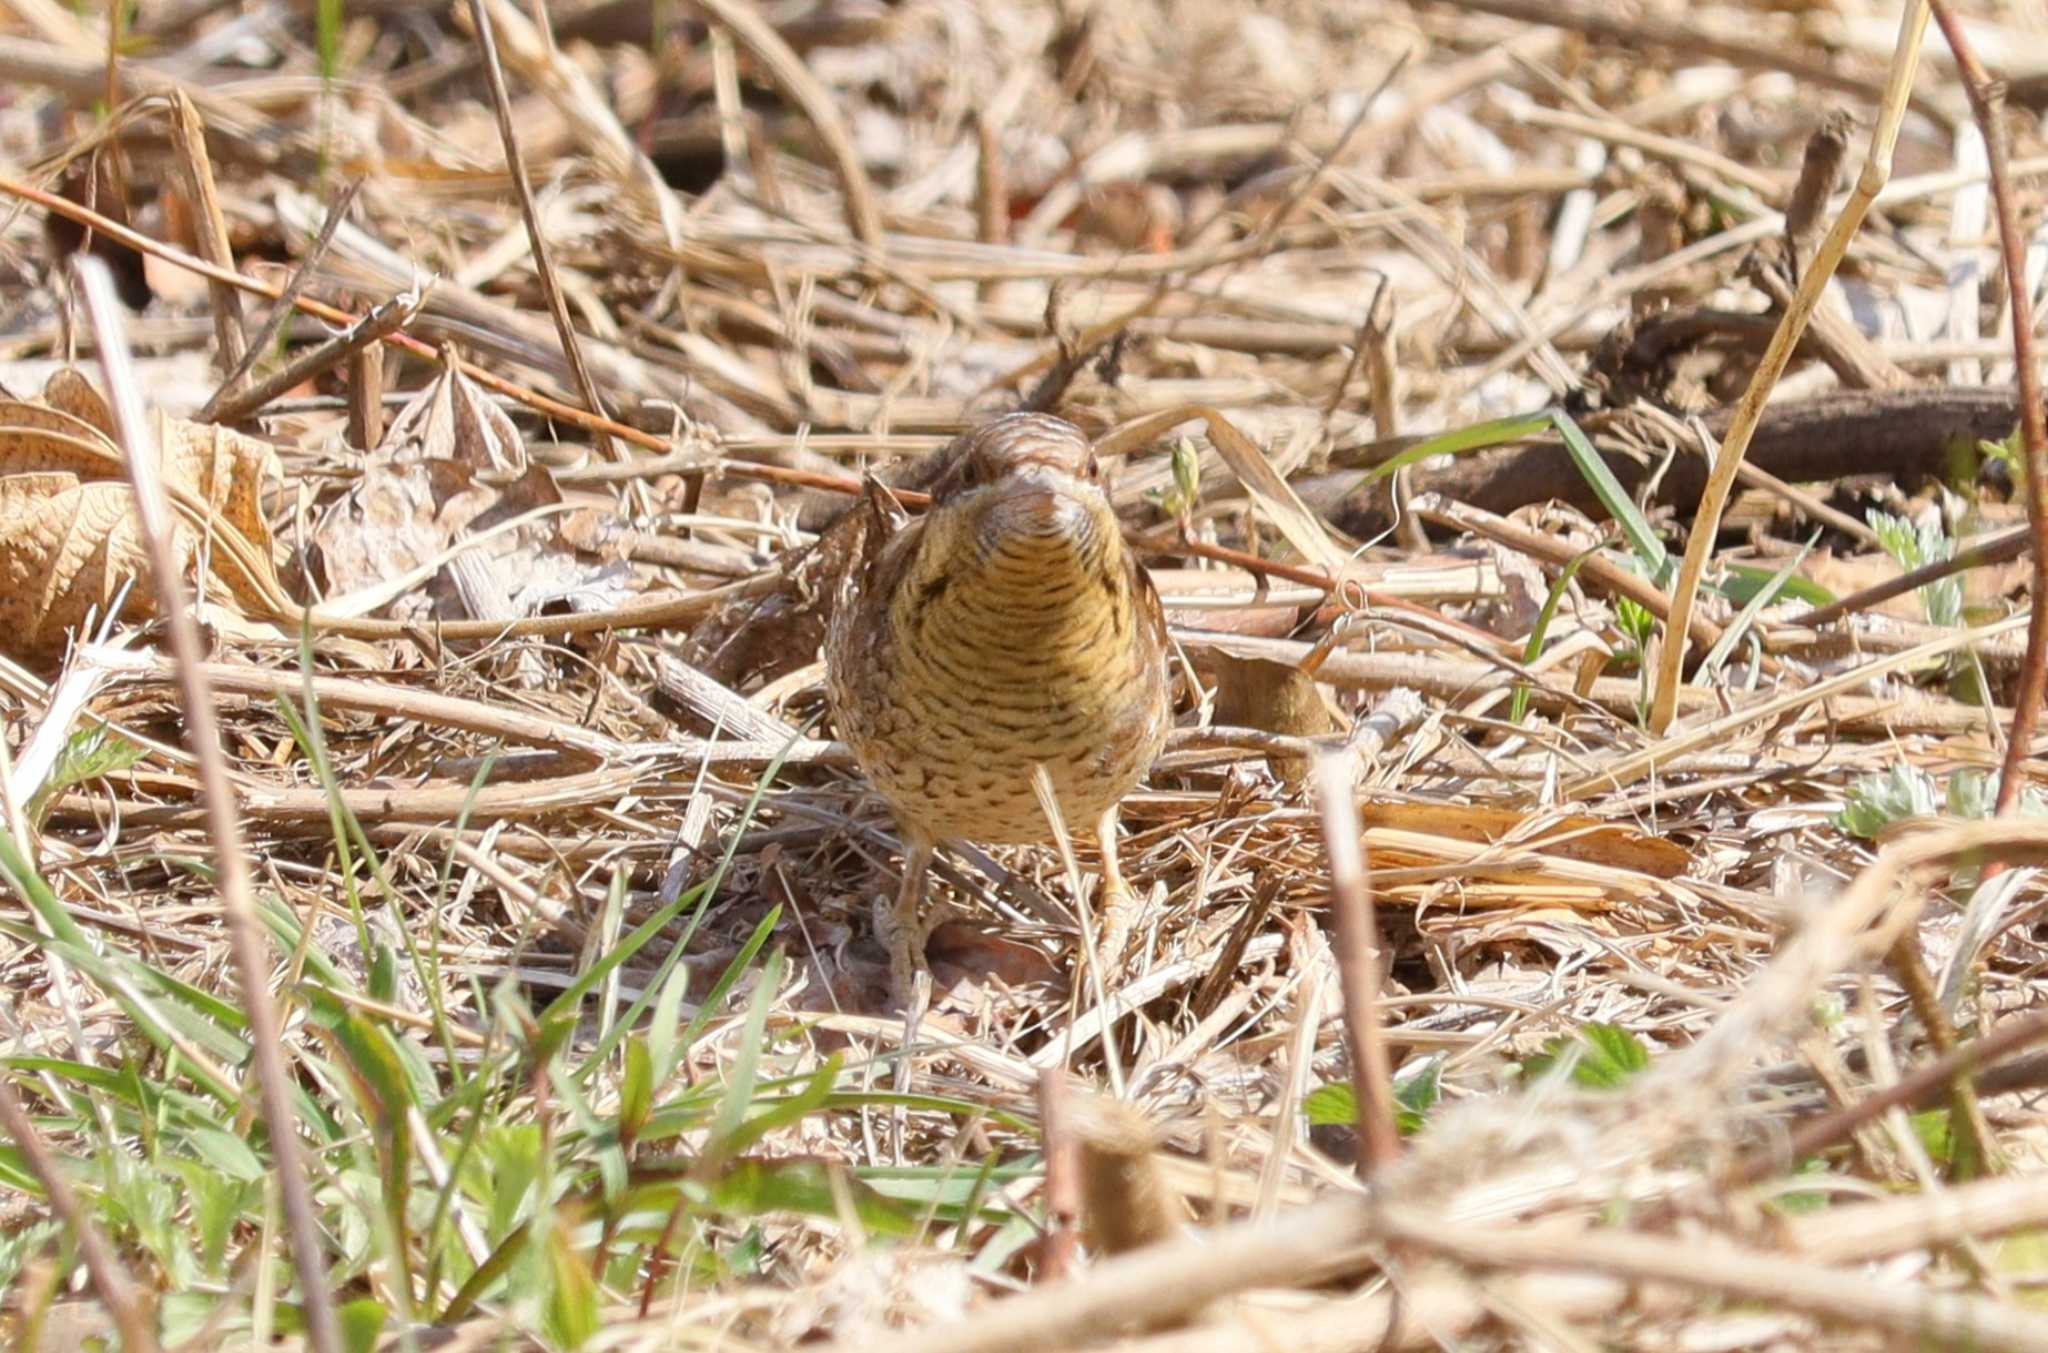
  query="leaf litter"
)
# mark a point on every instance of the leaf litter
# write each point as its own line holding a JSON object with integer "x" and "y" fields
{"x": 527, "y": 854}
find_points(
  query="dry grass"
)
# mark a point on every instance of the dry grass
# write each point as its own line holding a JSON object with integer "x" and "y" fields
{"x": 567, "y": 891}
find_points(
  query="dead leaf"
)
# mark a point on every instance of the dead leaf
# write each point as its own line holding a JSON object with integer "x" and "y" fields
{"x": 454, "y": 419}
{"x": 70, "y": 544}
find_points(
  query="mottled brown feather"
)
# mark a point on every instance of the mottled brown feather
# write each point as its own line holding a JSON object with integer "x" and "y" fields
{"x": 1006, "y": 627}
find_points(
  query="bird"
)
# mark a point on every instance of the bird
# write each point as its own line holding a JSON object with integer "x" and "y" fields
{"x": 1007, "y": 629}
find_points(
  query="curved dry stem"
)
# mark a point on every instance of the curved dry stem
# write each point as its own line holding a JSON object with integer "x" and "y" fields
{"x": 1877, "y": 168}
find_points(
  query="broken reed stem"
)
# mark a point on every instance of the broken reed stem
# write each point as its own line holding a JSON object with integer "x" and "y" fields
{"x": 110, "y": 1279}
{"x": 203, "y": 734}
{"x": 1987, "y": 105}
{"x": 1358, "y": 963}
{"x": 1877, "y": 167}
{"x": 490, "y": 380}
{"x": 1060, "y": 1250}
{"x": 1930, "y": 1319}
{"x": 529, "y": 212}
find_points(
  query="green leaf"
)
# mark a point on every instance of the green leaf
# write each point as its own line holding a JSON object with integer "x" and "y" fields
{"x": 571, "y": 1315}
{"x": 661, "y": 1029}
{"x": 217, "y": 1203}
{"x": 361, "y": 1321}
{"x": 1931, "y": 1126}
{"x": 1331, "y": 1105}
{"x": 1541, "y": 629}
{"x": 384, "y": 975}
{"x": 1891, "y": 795}
{"x": 1416, "y": 1094}
{"x": 91, "y": 753}
{"x": 636, "y": 1090}
{"x": 1592, "y": 467}
{"x": 1601, "y": 1057}
{"x": 739, "y": 1091}
{"x": 751, "y": 1187}
{"x": 1745, "y": 582}
{"x": 1477, "y": 437}
{"x": 1912, "y": 547}
{"x": 225, "y": 1153}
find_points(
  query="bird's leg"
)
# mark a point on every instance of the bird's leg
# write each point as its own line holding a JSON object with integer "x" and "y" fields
{"x": 900, "y": 924}
{"x": 1117, "y": 902}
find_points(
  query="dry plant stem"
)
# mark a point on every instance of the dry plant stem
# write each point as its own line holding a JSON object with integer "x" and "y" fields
{"x": 1977, "y": 1150}
{"x": 1826, "y": 149}
{"x": 2001, "y": 547}
{"x": 1865, "y": 1231}
{"x": 1060, "y": 1249}
{"x": 1638, "y": 29}
{"x": 1157, "y": 1284}
{"x": 366, "y": 396}
{"x": 203, "y": 733}
{"x": 188, "y": 136}
{"x": 287, "y": 303}
{"x": 117, "y": 1291}
{"x": 382, "y": 321}
{"x": 1343, "y": 590}
{"x": 536, "y": 237}
{"x": 1903, "y": 1311}
{"x": 1987, "y": 104}
{"x": 1707, "y": 521}
{"x": 1358, "y": 965}
{"x": 787, "y": 70}
{"x": 1595, "y": 568}
{"x": 490, "y": 380}
{"x": 553, "y": 408}
{"x": 1825, "y": 1131}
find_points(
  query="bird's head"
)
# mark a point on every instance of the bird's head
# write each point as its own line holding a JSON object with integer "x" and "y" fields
{"x": 1025, "y": 482}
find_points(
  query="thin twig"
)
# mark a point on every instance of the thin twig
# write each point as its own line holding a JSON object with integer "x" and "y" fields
{"x": 384, "y": 319}
{"x": 209, "y": 226}
{"x": 536, "y": 236}
{"x": 1998, "y": 548}
{"x": 1358, "y": 962}
{"x": 2008, "y": 1038}
{"x": 1910, "y": 1314}
{"x": 1987, "y": 104}
{"x": 1706, "y": 524}
{"x": 117, "y": 1290}
{"x": 287, "y": 303}
{"x": 203, "y": 733}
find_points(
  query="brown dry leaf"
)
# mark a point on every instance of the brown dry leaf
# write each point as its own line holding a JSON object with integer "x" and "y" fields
{"x": 1570, "y": 837}
{"x": 69, "y": 392}
{"x": 69, "y": 541}
{"x": 454, "y": 419}
{"x": 67, "y": 548}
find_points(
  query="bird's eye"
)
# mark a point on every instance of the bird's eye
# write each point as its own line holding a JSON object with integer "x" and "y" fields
{"x": 1091, "y": 469}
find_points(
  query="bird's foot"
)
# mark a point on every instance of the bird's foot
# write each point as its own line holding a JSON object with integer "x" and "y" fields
{"x": 903, "y": 939}
{"x": 1118, "y": 908}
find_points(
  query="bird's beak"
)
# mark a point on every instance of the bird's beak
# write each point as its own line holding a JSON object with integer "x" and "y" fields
{"x": 1038, "y": 501}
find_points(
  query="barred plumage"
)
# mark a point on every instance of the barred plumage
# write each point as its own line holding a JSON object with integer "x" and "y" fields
{"x": 1007, "y": 627}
